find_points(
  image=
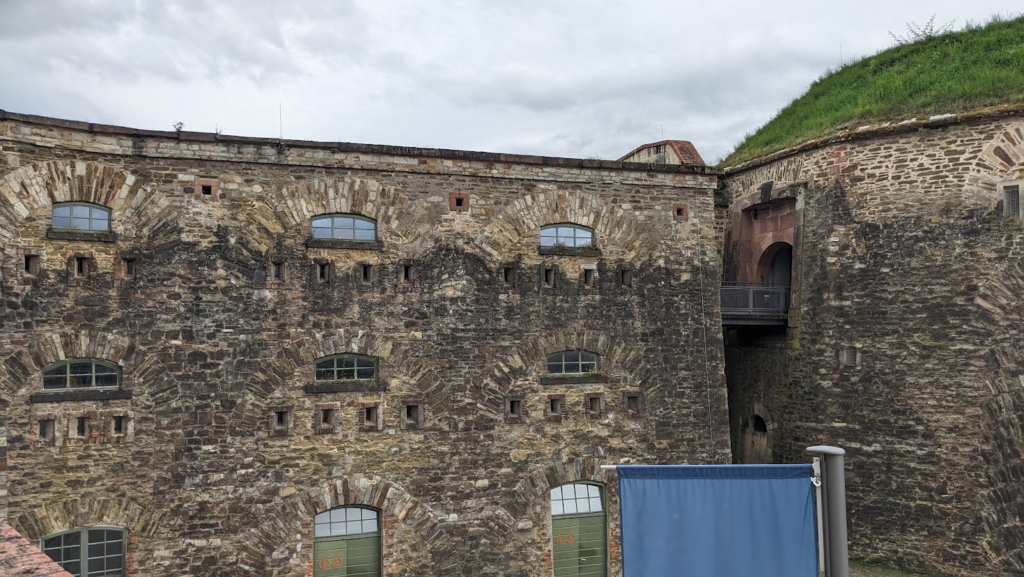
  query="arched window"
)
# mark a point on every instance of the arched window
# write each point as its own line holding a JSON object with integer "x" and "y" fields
{"x": 81, "y": 374}
{"x": 81, "y": 217}
{"x": 345, "y": 227}
{"x": 346, "y": 541}
{"x": 88, "y": 551}
{"x": 578, "y": 530}
{"x": 572, "y": 363}
{"x": 345, "y": 368}
{"x": 567, "y": 235}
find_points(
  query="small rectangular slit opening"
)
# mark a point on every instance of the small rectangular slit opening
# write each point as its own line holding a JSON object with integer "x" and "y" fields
{"x": 633, "y": 403}
{"x": 367, "y": 272}
{"x": 118, "y": 424}
{"x": 207, "y": 189}
{"x": 282, "y": 418}
{"x": 277, "y": 270}
{"x": 549, "y": 277}
{"x": 588, "y": 277}
{"x": 407, "y": 272}
{"x": 515, "y": 408}
{"x": 31, "y": 264}
{"x": 81, "y": 265}
{"x": 412, "y": 414}
{"x": 323, "y": 272}
{"x": 129, "y": 267}
{"x": 82, "y": 426}
{"x": 506, "y": 275}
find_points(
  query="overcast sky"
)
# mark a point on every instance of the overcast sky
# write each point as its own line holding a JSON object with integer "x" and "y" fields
{"x": 586, "y": 78}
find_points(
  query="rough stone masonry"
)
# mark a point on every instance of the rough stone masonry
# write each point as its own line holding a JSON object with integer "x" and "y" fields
{"x": 212, "y": 300}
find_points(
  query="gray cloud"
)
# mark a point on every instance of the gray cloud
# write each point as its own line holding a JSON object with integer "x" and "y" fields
{"x": 576, "y": 78}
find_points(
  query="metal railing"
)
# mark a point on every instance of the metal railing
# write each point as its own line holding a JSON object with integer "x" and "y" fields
{"x": 754, "y": 299}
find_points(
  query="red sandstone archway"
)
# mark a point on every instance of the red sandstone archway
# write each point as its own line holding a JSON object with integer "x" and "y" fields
{"x": 775, "y": 264}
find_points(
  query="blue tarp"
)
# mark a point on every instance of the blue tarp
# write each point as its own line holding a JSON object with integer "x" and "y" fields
{"x": 717, "y": 521}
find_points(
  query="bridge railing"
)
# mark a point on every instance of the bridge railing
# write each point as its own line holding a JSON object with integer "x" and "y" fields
{"x": 754, "y": 299}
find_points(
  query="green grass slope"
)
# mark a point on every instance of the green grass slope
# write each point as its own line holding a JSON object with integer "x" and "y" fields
{"x": 951, "y": 73}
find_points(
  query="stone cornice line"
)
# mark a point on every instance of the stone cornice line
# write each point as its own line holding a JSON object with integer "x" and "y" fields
{"x": 870, "y": 131}
{"x": 326, "y": 155}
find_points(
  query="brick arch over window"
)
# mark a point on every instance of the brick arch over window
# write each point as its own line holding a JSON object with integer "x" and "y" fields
{"x": 271, "y": 545}
{"x": 28, "y": 194}
{"x": 87, "y": 509}
{"x": 522, "y": 368}
{"x": 617, "y": 231}
{"x": 397, "y": 217}
{"x": 530, "y": 499}
{"x": 22, "y": 371}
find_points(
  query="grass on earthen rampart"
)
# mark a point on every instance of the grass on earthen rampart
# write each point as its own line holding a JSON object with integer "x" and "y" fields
{"x": 949, "y": 73}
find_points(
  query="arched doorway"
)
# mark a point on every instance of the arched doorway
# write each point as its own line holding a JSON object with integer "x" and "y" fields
{"x": 579, "y": 531}
{"x": 754, "y": 447}
{"x": 346, "y": 542}
{"x": 775, "y": 267}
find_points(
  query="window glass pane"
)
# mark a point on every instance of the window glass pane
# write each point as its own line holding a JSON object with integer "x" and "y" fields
{"x": 569, "y": 492}
{"x": 570, "y": 506}
{"x": 556, "y": 508}
{"x": 593, "y": 491}
{"x": 96, "y": 550}
{"x": 554, "y": 368}
{"x": 106, "y": 380}
{"x": 104, "y": 370}
{"x": 62, "y": 211}
{"x": 547, "y": 241}
{"x": 61, "y": 222}
{"x": 80, "y": 381}
{"x": 337, "y": 515}
{"x": 370, "y": 526}
{"x": 322, "y": 530}
{"x": 343, "y": 233}
{"x": 57, "y": 382}
{"x": 365, "y": 225}
{"x": 365, "y": 235}
{"x": 80, "y": 223}
{"x": 73, "y": 567}
{"x": 328, "y": 364}
{"x": 81, "y": 368}
{"x": 73, "y": 539}
{"x": 321, "y": 232}
{"x": 582, "y": 506}
{"x": 571, "y": 368}
{"x": 347, "y": 362}
{"x": 572, "y": 356}
{"x": 80, "y": 211}
{"x": 369, "y": 514}
{"x": 114, "y": 546}
{"x": 352, "y": 514}
{"x": 96, "y": 566}
{"x": 322, "y": 375}
{"x": 595, "y": 504}
{"x": 100, "y": 225}
{"x": 364, "y": 374}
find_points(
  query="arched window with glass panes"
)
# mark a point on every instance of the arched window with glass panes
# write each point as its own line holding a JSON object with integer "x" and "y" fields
{"x": 572, "y": 363}
{"x": 579, "y": 544}
{"x": 88, "y": 551}
{"x": 346, "y": 542}
{"x": 82, "y": 374}
{"x": 567, "y": 235}
{"x": 345, "y": 368}
{"x": 352, "y": 227}
{"x": 80, "y": 217}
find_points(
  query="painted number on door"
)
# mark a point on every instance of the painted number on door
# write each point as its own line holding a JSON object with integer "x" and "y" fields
{"x": 331, "y": 563}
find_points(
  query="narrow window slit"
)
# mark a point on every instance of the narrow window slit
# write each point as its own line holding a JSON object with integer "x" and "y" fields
{"x": 82, "y": 426}
{"x": 118, "y": 424}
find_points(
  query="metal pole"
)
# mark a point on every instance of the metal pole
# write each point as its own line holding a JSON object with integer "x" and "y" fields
{"x": 833, "y": 481}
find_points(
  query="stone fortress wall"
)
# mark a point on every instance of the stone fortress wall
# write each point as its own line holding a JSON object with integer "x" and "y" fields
{"x": 220, "y": 464}
{"x": 904, "y": 338}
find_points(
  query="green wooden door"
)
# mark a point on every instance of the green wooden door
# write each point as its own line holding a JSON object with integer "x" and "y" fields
{"x": 346, "y": 543}
{"x": 347, "y": 557}
{"x": 578, "y": 545}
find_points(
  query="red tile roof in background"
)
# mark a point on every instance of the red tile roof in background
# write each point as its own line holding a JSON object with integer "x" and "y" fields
{"x": 684, "y": 150}
{"x": 19, "y": 557}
